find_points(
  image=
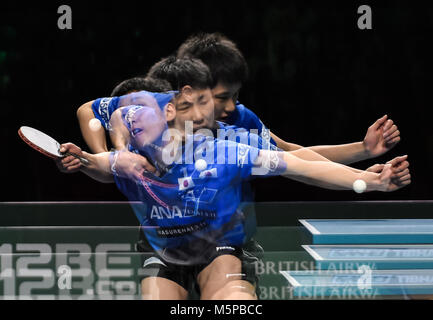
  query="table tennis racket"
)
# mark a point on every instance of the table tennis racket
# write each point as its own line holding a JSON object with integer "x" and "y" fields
{"x": 45, "y": 144}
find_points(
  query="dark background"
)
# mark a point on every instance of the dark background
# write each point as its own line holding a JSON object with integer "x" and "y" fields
{"x": 315, "y": 78}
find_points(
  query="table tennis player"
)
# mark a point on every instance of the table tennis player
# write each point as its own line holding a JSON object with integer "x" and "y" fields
{"x": 180, "y": 184}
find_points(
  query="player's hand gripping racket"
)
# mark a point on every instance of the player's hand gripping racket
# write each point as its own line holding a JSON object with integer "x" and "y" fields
{"x": 45, "y": 144}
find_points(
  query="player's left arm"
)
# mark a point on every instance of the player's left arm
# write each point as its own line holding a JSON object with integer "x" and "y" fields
{"x": 381, "y": 137}
{"x": 326, "y": 174}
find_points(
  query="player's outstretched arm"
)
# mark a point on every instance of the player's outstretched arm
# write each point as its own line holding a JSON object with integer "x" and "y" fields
{"x": 381, "y": 137}
{"x": 332, "y": 175}
{"x": 304, "y": 153}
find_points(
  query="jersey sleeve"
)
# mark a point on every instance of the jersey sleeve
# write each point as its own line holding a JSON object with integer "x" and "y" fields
{"x": 103, "y": 109}
{"x": 249, "y": 120}
{"x": 247, "y": 156}
{"x": 271, "y": 160}
{"x": 238, "y": 158}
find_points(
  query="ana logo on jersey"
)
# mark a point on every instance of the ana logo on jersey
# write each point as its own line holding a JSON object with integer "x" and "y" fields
{"x": 160, "y": 212}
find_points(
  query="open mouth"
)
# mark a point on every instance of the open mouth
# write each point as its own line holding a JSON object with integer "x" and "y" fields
{"x": 136, "y": 131}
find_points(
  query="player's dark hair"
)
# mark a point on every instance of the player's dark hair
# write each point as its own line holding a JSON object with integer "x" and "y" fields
{"x": 225, "y": 61}
{"x": 182, "y": 72}
{"x": 139, "y": 84}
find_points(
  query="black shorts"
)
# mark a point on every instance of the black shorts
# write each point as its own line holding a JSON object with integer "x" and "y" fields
{"x": 153, "y": 265}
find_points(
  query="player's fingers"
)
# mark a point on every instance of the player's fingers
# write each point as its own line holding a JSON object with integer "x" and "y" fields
{"x": 74, "y": 163}
{"x": 69, "y": 147}
{"x": 389, "y": 130}
{"x": 68, "y": 159}
{"x": 401, "y": 167}
{"x": 69, "y": 167}
{"x": 405, "y": 178}
{"x": 64, "y": 147}
{"x": 402, "y": 185}
{"x": 391, "y": 134}
{"x": 388, "y": 124}
{"x": 379, "y": 122}
{"x": 146, "y": 165}
{"x": 397, "y": 160}
{"x": 393, "y": 141}
{"x": 74, "y": 166}
{"x": 376, "y": 168}
{"x": 401, "y": 174}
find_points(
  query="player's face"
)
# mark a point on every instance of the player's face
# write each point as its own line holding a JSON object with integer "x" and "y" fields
{"x": 194, "y": 105}
{"x": 225, "y": 96}
{"x": 148, "y": 124}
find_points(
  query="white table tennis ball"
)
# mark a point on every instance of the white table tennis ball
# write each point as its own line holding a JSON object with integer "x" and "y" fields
{"x": 94, "y": 124}
{"x": 200, "y": 165}
{"x": 359, "y": 186}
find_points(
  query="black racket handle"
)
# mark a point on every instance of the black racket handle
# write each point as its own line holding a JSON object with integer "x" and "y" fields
{"x": 82, "y": 160}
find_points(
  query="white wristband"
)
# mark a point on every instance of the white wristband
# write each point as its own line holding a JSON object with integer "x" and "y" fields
{"x": 113, "y": 165}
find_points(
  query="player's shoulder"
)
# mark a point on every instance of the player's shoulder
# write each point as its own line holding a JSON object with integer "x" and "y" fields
{"x": 225, "y": 129}
{"x": 244, "y": 111}
{"x": 246, "y": 118}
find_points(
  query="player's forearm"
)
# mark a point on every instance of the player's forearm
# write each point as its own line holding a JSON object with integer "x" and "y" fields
{"x": 310, "y": 155}
{"x": 95, "y": 139}
{"x": 343, "y": 153}
{"x": 98, "y": 167}
{"x": 327, "y": 174}
{"x": 284, "y": 145}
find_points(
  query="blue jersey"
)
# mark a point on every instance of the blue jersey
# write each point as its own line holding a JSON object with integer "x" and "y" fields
{"x": 187, "y": 207}
{"x": 243, "y": 117}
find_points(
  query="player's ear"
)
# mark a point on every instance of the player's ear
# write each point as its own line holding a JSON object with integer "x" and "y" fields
{"x": 170, "y": 111}
{"x": 186, "y": 91}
